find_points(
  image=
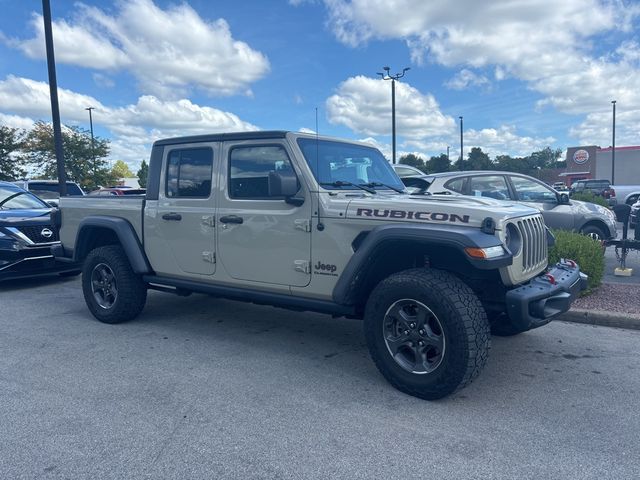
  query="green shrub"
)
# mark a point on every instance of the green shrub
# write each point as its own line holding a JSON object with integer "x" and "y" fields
{"x": 590, "y": 197}
{"x": 585, "y": 251}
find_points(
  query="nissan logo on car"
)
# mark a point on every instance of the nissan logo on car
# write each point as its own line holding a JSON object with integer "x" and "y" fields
{"x": 580, "y": 156}
{"x": 46, "y": 233}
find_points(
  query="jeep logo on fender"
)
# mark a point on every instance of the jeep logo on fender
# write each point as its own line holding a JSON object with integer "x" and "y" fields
{"x": 325, "y": 269}
{"x": 409, "y": 215}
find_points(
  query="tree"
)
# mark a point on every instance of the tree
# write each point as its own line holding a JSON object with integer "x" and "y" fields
{"x": 11, "y": 158}
{"x": 512, "y": 164}
{"x": 438, "y": 164}
{"x": 545, "y": 158}
{"x": 84, "y": 163}
{"x": 412, "y": 160}
{"x": 121, "y": 170}
{"x": 143, "y": 173}
{"x": 478, "y": 160}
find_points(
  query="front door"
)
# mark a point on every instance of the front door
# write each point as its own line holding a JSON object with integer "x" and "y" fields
{"x": 539, "y": 195}
{"x": 181, "y": 235}
{"x": 262, "y": 238}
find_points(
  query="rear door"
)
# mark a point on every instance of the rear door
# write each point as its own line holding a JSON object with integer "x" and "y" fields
{"x": 179, "y": 226}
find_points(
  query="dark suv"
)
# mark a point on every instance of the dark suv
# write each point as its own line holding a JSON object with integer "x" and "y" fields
{"x": 27, "y": 235}
{"x": 601, "y": 188}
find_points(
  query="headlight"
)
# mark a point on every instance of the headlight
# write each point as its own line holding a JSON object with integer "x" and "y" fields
{"x": 513, "y": 239}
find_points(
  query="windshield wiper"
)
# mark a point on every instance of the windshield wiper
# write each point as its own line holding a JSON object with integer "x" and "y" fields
{"x": 380, "y": 184}
{"x": 340, "y": 183}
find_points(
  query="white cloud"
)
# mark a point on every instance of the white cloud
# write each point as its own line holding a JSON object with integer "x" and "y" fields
{"x": 503, "y": 140}
{"x": 465, "y": 78}
{"x": 16, "y": 121}
{"x": 134, "y": 127}
{"x": 168, "y": 51}
{"x": 548, "y": 44}
{"x": 364, "y": 105}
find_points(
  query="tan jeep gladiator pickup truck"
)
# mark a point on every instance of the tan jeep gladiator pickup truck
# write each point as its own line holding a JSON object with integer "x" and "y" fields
{"x": 319, "y": 224}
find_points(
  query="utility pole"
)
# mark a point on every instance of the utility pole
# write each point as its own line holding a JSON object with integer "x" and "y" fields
{"x": 613, "y": 143}
{"x": 53, "y": 91}
{"x": 448, "y": 154}
{"x": 93, "y": 150}
{"x": 387, "y": 76}
{"x": 461, "y": 143}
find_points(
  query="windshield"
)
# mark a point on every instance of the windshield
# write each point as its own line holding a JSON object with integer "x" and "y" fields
{"x": 13, "y": 199}
{"x": 338, "y": 164}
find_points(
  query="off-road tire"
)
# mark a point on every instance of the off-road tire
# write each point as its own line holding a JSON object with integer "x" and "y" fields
{"x": 502, "y": 326}
{"x": 464, "y": 326}
{"x": 131, "y": 290}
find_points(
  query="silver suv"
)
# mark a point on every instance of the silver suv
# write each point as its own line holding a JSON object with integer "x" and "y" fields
{"x": 558, "y": 210}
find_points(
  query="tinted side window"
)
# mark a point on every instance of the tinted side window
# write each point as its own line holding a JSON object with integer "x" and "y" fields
{"x": 457, "y": 185}
{"x": 492, "y": 186}
{"x": 189, "y": 172}
{"x": 249, "y": 169}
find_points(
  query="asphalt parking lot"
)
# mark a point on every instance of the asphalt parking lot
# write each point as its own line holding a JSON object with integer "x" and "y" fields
{"x": 200, "y": 387}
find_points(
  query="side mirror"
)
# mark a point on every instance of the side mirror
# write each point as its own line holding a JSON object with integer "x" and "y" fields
{"x": 285, "y": 184}
{"x": 563, "y": 199}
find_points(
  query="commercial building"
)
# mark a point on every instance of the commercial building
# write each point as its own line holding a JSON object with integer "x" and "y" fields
{"x": 593, "y": 162}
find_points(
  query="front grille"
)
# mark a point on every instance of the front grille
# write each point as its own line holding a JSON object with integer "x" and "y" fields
{"x": 534, "y": 243}
{"x": 35, "y": 233}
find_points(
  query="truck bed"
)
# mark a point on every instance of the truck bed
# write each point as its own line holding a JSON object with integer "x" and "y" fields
{"x": 75, "y": 209}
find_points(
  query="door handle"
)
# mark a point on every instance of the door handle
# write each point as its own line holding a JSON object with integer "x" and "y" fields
{"x": 172, "y": 216}
{"x": 231, "y": 219}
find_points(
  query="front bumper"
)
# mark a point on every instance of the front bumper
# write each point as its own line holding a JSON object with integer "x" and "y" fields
{"x": 29, "y": 262}
{"x": 546, "y": 296}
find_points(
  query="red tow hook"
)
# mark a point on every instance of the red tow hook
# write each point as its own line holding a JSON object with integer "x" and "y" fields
{"x": 569, "y": 263}
{"x": 551, "y": 278}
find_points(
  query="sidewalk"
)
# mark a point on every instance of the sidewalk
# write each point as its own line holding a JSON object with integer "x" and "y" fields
{"x": 617, "y": 302}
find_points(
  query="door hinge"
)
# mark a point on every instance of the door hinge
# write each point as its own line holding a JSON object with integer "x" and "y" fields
{"x": 302, "y": 266}
{"x": 303, "y": 224}
{"x": 209, "y": 257}
{"x": 209, "y": 220}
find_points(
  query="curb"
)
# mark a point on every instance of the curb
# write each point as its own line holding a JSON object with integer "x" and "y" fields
{"x": 603, "y": 319}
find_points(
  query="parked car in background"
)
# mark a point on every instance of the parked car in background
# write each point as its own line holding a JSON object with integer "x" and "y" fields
{"x": 416, "y": 180}
{"x": 601, "y": 188}
{"x": 27, "y": 235}
{"x": 634, "y": 219}
{"x": 49, "y": 190}
{"x": 628, "y": 194}
{"x": 117, "y": 191}
{"x": 558, "y": 210}
{"x": 560, "y": 187}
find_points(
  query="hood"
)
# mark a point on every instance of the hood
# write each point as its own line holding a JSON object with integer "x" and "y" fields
{"x": 448, "y": 209}
{"x": 12, "y": 218}
{"x": 584, "y": 208}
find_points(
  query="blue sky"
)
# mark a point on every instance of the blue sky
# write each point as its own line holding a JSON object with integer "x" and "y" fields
{"x": 525, "y": 75}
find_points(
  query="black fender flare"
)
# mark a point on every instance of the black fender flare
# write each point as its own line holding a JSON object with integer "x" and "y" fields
{"x": 126, "y": 235}
{"x": 353, "y": 275}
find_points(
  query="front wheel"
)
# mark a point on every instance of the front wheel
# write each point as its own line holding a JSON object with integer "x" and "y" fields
{"x": 593, "y": 232}
{"x": 113, "y": 292}
{"x": 427, "y": 332}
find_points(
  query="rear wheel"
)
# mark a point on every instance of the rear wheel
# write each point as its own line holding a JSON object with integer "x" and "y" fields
{"x": 112, "y": 291}
{"x": 427, "y": 332}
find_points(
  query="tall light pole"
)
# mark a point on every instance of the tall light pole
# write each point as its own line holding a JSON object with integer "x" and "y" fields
{"x": 93, "y": 150}
{"x": 387, "y": 76}
{"x": 461, "y": 143}
{"x": 53, "y": 91}
{"x": 448, "y": 153}
{"x": 613, "y": 143}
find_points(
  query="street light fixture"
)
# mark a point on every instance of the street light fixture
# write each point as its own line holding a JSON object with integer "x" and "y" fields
{"x": 388, "y": 76}
{"x": 613, "y": 143}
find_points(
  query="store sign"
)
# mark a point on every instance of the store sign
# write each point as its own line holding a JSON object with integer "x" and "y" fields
{"x": 580, "y": 157}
